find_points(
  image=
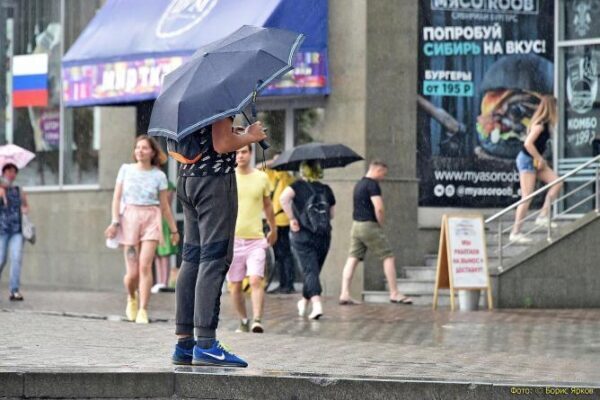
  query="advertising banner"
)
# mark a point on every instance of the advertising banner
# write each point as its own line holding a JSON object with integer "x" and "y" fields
{"x": 130, "y": 81}
{"x": 483, "y": 65}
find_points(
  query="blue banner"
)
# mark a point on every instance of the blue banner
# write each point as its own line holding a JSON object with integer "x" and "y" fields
{"x": 126, "y": 50}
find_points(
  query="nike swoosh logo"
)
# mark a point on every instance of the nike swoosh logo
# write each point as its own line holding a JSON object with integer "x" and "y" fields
{"x": 220, "y": 358}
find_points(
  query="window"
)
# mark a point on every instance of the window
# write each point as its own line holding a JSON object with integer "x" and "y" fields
{"x": 35, "y": 27}
{"x": 309, "y": 125}
{"x": 578, "y": 85}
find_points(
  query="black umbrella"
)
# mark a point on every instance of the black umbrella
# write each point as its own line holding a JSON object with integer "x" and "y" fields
{"x": 221, "y": 79}
{"x": 329, "y": 155}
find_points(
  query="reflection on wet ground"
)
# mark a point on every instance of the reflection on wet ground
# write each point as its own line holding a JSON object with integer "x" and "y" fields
{"x": 552, "y": 332}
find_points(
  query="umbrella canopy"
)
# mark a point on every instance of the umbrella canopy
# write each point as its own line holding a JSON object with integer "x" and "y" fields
{"x": 221, "y": 79}
{"x": 13, "y": 154}
{"x": 330, "y": 156}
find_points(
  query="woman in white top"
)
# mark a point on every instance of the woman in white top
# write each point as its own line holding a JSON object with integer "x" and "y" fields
{"x": 139, "y": 199}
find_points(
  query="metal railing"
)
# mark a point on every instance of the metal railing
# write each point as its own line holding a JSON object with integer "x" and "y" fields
{"x": 591, "y": 176}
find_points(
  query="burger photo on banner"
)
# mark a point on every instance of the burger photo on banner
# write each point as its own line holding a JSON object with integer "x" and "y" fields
{"x": 482, "y": 71}
{"x": 512, "y": 89}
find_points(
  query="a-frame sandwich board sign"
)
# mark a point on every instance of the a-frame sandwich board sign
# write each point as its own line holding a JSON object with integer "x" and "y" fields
{"x": 462, "y": 257}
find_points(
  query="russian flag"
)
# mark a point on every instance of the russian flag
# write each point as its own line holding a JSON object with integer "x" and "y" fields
{"x": 30, "y": 80}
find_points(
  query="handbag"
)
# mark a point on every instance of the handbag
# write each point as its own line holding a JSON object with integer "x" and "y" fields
{"x": 27, "y": 229}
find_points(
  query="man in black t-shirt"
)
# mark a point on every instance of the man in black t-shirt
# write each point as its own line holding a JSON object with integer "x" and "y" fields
{"x": 367, "y": 233}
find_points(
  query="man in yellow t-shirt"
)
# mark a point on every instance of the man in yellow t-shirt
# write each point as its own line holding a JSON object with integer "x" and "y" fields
{"x": 249, "y": 249}
{"x": 284, "y": 261}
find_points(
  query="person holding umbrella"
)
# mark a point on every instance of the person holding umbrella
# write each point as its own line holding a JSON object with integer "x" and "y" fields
{"x": 13, "y": 205}
{"x": 195, "y": 111}
{"x": 309, "y": 205}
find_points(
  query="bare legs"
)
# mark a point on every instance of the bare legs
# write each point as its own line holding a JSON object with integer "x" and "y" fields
{"x": 162, "y": 269}
{"x": 347, "y": 274}
{"x": 138, "y": 263}
{"x": 527, "y": 180}
{"x": 257, "y": 296}
{"x": 132, "y": 273}
{"x": 547, "y": 175}
{"x": 389, "y": 269}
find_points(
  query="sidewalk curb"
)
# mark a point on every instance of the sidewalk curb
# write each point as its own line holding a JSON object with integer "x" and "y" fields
{"x": 189, "y": 382}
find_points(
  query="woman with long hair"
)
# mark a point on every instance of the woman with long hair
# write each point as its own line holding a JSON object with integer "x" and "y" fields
{"x": 139, "y": 201}
{"x": 309, "y": 205}
{"x": 532, "y": 165}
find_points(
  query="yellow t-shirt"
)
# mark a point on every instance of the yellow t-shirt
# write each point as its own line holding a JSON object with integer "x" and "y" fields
{"x": 252, "y": 188}
{"x": 279, "y": 180}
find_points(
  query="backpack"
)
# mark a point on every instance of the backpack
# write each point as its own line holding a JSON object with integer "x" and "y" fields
{"x": 189, "y": 149}
{"x": 316, "y": 213}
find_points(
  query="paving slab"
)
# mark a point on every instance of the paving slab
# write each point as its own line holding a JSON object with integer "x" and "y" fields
{"x": 75, "y": 345}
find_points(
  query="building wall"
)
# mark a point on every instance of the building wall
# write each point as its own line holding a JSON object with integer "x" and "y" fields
{"x": 70, "y": 251}
{"x": 345, "y": 122}
{"x": 563, "y": 274}
{"x": 371, "y": 108}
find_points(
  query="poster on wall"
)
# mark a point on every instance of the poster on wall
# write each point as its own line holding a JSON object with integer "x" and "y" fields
{"x": 581, "y": 94}
{"x": 483, "y": 65}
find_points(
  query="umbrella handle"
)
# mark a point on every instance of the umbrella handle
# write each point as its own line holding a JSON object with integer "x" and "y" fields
{"x": 263, "y": 143}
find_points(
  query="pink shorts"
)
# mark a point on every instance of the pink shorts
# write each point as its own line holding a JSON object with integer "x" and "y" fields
{"x": 248, "y": 259}
{"x": 140, "y": 223}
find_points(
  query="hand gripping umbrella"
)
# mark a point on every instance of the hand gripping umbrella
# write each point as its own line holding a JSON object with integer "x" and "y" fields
{"x": 329, "y": 155}
{"x": 221, "y": 79}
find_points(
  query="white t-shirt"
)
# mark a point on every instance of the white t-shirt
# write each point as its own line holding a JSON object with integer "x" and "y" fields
{"x": 140, "y": 187}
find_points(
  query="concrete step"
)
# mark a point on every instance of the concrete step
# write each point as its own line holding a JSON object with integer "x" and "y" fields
{"x": 421, "y": 272}
{"x": 431, "y": 259}
{"x": 415, "y": 286}
{"x": 422, "y": 299}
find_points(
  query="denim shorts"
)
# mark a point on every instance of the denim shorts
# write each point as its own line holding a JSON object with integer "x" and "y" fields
{"x": 525, "y": 163}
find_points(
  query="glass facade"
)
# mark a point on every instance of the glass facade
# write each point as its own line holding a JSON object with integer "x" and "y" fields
{"x": 308, "y": 123}
{"x": 64, "y": 140}
{"x": 579, "y": 107}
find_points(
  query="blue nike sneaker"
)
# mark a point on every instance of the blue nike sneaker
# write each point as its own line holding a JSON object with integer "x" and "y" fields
{"x": 217, "y": 356}
{"x": 182, "y": 356}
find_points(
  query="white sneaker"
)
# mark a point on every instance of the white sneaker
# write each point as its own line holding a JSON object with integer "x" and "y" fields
{"x": 543, "y": 222}
{"x": 156, "y": 288}
{"x": 519, "y": 238}
{"x": 302, "y": 307}
{"x": 317, "y": 310}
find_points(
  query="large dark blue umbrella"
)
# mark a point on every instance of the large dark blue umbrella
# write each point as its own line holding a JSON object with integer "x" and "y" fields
{"x": 328, "y": 155}
{"x": 221, "y": 79}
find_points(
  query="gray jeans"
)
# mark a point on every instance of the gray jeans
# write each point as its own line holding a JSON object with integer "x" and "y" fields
{"x": 210, "y": 211}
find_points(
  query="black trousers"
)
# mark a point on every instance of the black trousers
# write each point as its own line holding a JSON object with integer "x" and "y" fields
{"x": 284, "y": 260}
{"x": 209, "y": 211}
{"x": 310, "y": 251}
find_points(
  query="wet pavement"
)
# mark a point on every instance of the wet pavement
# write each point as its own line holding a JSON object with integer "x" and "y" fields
{"x": 83, "y": 331}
